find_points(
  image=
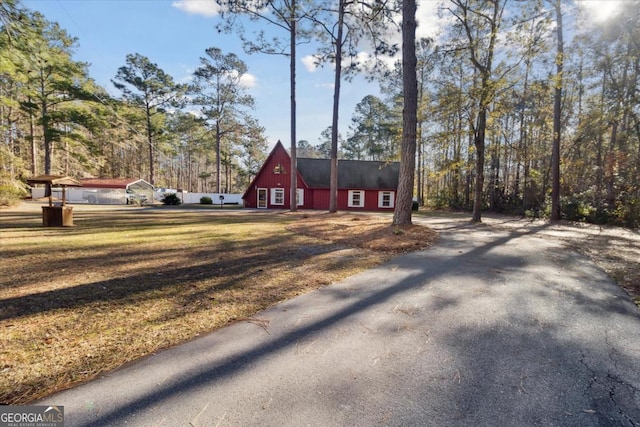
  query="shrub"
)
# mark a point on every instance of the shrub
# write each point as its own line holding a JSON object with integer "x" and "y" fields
{"x": 599, "y": 215}
{"x": 206, "y": 200}
{"x": 575, "y": 209}
{"x": 627, "y": 213}
{"x": 10, "y": 195}
{"x": 171, "y": 199}
{"x": 441, "y": 200}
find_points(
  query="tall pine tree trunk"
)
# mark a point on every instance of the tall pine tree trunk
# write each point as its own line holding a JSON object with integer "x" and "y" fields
{"x": 557, "y": 116}
{"x": 599, "y": 149}
{"x": 478, "y": 141}
{"x": 333, "y": 186}
{"x": 218, "y": 161}
{"x": 150, "y": 142}
{"x": 293, "y": 205}
{"x": 402, "y": 212}
{"x": 32, "y": 140}
{"x": 46, "y": 134}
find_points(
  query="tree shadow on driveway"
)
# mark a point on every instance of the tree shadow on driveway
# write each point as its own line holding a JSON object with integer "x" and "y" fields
{"x": 485, "y": 328}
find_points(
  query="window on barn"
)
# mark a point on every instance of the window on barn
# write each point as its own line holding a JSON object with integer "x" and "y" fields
{"x": 277, "y": 196}
{"x": 300, "y": 196}
{"x": 385, "y": 199}
{"x": 356, "y": 199}
{"x": 278, "y": 169}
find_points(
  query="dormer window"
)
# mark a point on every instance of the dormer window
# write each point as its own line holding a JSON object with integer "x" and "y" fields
{"x": 278, "y": 169}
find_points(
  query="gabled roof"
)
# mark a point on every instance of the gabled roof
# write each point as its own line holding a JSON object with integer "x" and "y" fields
{"x": 111, "y": 182}
{"x": 276, "y": 148}
{"x": 54, "y": 180}
{"x": 352, "y": 174}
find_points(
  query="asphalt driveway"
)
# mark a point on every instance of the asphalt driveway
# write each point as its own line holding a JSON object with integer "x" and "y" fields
{"x": 486, "y": 328}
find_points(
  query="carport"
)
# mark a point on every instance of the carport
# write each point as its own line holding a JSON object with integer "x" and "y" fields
{"x": 113, "y": 190}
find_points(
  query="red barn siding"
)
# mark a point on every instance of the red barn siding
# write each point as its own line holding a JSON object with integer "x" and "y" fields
{"x": 370, "y": 200}
{"x": 320, "y": 199}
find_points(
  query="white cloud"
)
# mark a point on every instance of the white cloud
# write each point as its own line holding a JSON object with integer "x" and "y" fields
{"x": 248, "y": 80}
{"x": 429, "y": 24}
{"x": 363, "y": 57}
{"x": 245, "y": 80}
{"x": 309, "y": 62}
{"x": 361, "y": 60}
{"x": 187, "y": 74}
{"x": 198, "y": 7}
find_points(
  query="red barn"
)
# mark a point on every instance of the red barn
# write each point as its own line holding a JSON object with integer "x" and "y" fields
{"x": 362, "y": 185}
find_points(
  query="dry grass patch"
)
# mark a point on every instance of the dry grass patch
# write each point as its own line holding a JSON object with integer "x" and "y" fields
{"x": 77, "y": 302}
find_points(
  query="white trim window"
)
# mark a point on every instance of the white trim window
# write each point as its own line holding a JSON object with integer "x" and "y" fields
{"x": 386, "y": 199}
{"x": 356, "y": 199}
{"x": 277, "y": 196}
{"x": 300, "y": 196}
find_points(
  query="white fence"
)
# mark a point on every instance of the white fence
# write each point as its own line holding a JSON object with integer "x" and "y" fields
{"x": 85, "y": 195}
{"x": 119, "y": 196}
{"x": 227, "y": 199}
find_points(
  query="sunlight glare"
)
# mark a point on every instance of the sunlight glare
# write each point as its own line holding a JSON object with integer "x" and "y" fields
{"x": 600, "y": 10}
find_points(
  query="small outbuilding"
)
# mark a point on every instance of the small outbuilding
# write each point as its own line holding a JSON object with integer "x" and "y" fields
{"x": 116, "y": 190}
{"x": 362, "y": 185}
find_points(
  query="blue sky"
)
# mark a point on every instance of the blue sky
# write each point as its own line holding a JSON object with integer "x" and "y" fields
{"x": 175, "y": 33}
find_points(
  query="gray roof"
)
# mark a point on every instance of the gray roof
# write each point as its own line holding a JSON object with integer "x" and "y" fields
{"x": 352, "y": 174}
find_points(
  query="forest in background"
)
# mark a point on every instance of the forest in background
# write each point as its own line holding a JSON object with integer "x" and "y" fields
{"x": 55, "y": 119}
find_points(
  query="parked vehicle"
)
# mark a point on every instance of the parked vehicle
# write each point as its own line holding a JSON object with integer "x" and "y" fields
{"x": 135, "y": 198}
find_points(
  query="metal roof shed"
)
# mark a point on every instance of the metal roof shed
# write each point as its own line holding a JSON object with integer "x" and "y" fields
{"x": 115, "y": 190}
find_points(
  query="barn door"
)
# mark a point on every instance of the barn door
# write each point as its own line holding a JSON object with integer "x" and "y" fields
{"x": 262, "y": 198}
